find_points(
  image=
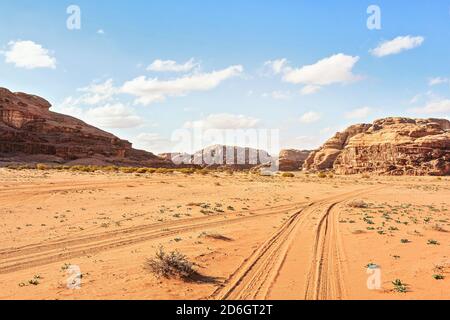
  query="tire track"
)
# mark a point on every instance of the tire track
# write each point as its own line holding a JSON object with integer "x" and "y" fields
{"x": 15, "y": 259}
{"x": 257, "y": 275}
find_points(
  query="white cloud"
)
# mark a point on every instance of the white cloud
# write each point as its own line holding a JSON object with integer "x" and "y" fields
{"x": 172, "y": 66}
{"x": 359, "y": 113}
{"x": 98, "y": 92}
{"x": 434, "y": 107}
{"x": 334, "y": 69}
{"x": 310, "y": 117}
{"x": 437, "y": 81}
{"x": 153, "y": 90}
{"x": 116, "y": 116}
{"x": 101, "y": 31}
{"x": 309, "y": 89}
{"x": 29, "y": 55}
{"x": 224, "y": 121}
{"x": 153, "y": 142}
{"x": 397, "y": 45}
{"x": 276, "y": 66}
{"x": 109, "y": 116}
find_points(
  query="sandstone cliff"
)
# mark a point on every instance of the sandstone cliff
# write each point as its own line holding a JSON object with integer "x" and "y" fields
{"x": 292, "y": 160}
{"x": 393, "y": 146}
{"x": 29, "y": 131}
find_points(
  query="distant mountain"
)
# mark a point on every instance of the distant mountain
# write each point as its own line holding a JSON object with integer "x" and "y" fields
{"x": 30, "y": 132}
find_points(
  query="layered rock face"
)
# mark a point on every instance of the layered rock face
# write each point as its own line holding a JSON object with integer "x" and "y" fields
{"x": 392, "y": 146}
{"x": 28, "y": 129}
{"x": 292, "y": 160}
{"x": 217, "y": 156}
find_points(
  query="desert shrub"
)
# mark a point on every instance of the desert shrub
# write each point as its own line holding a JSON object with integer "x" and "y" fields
{"x": 288, "y": 175}
{"x": 366, "y": 176}
{"x": 203, "y": 172}
{"x": 399, "y": 286}
{"x": 358, "y": 204}
{"x": 170, "y": 265}
{"x": 110, "y": 169}
{"x": 141, "y": 170}
{"x": 322, "y": 175}
{"x": 128, "y": 170}
{"x": 215, "y": 236}
{"x": 186, "y": 170}
{"x": 41, "y": 166}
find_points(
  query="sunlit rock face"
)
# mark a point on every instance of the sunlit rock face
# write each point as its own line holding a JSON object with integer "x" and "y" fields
{"x": 391, "y": 146}
{"x": 28, "y": 128}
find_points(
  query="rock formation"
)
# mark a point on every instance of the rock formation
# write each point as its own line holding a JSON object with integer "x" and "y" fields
{"x": 29, "y": 131}
{"x": 220, "y": 156}
{"x": 292, "y": 160}
{"x": 392, "y": 146}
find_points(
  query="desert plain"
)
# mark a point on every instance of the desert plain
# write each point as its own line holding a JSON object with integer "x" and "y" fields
{"x": 248, "y": 236}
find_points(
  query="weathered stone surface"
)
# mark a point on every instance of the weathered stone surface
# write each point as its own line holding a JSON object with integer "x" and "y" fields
{"x": 29, "y": 129}
{"x": 393, "y": 146}
{"x": 292, "y": 160}
{"x": 220, "y": 156}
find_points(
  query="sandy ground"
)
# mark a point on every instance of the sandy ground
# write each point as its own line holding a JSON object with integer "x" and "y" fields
{"x": 281, "y": 238}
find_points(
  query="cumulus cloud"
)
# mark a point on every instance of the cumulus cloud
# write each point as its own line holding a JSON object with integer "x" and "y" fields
{"x": 276, "y": 66}
{"x": 172, "y": 66}
{"x": 150, "y": 90}
{"x": 437, "y": 81}
{"x": 108, "y": 116}
{"x": 153, "y": 142}
{"x": 441, "y": 106}
{"x": 98, "y": 92}
{"x": 115, "y": 116}
{"x": 310, "y": 117}
{"x": 224, "y": 121}
{"x": 29, "y": 55}
{"x": 397, "y": 45}
{"x": 359, "y": 113}
{"x": 335, "y": 69}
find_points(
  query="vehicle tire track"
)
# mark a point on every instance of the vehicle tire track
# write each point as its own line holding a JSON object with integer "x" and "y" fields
{"x": 16, "y": 259}
{"x": 256, "y": 276}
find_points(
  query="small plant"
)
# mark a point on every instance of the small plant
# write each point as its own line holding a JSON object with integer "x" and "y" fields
{"x": 170, "y": 265}
{"x": 405, "y": 241}
{"x": 358, "y": 204}
{"x": 399, "y": 286}
{"x": 438, "y": 277}
{"x": 433, "y": 242}
{"x": 322, "y": 175}
{"x": 288, "y": 175}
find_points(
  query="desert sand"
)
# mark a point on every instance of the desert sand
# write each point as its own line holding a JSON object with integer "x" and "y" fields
{"x": 250, "y": 237}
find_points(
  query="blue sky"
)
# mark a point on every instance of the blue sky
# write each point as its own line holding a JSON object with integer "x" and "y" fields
{"x": 307, "y": 68}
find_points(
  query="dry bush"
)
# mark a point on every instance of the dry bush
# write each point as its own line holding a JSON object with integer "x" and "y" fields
{"x": 215, "y": 236}
{"x": 322, "y": 175}
{"x": 288, "y": 175}
{"x": 358, "y": 204}
{"x": 170, "y": 265}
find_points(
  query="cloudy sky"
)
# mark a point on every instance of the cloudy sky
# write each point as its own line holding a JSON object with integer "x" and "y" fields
{"x": 144, "y": 69}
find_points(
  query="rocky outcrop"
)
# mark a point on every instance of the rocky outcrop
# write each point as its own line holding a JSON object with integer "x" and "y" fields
{"x": 292, "y": 160}
{"x": 29, "y": 130}
{"x": 392, "y": 146}
{"x": 220, "y": 156}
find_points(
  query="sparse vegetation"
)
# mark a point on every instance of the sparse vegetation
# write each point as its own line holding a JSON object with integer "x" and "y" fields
{"x": 288, "y": 175}
{"x": 399, "y": 286}
{"x": 358, "y": 204}
{"x": 170, "y": 265}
